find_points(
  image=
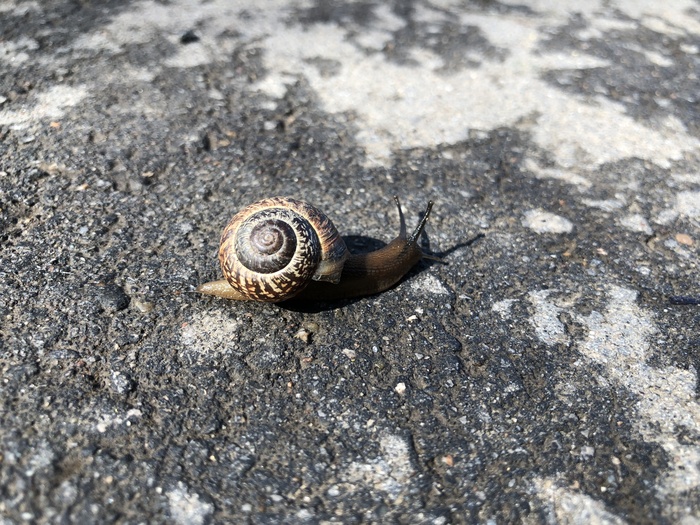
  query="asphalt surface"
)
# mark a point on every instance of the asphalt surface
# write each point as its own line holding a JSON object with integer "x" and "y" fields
{"x": 546, "y": 374}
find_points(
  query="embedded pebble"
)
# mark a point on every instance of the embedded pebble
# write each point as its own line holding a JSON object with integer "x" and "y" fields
{"x": 122, "y": 383}
{"x": 684, "y": 238}
{"x": 112, "y": 298}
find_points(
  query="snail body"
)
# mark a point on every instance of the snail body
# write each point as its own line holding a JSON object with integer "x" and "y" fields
{"x": 281, "y": 248}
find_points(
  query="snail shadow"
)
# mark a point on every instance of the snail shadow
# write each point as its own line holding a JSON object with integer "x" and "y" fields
{"x": 360, "y": 244}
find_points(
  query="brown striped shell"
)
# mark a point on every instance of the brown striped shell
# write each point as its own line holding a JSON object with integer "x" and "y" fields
{"x": 271, "y": 249}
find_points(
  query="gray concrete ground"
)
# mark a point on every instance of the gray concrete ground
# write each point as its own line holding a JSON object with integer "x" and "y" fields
{"x": 546, "y": 374}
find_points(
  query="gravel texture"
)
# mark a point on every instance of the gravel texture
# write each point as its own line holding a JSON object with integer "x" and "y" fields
{"x": 546, "y": 374}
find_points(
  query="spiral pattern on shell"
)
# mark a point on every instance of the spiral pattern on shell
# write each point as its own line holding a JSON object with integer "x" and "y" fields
{"x": 271, "y": 249}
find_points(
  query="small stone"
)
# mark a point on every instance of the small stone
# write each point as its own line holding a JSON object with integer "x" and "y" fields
{"x": 400, "y": 388}
{"x": 684, "y": 238}
{"x": 587, "y": 452}
{"x": 448, "y": 460}
{"x": 303, "y": 334}
{"x": 112, "y": 298}
{"x": 189, "y": 37}
{"x": 122, "y": 383}
{"x": 64, "y": 354}
{"x": 311, "y": 326}
{"x": 143, "y": 306}
{"x": 97, "y": 137}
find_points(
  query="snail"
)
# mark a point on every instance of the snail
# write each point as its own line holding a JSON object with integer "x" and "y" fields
{"x": 281, "y": 248}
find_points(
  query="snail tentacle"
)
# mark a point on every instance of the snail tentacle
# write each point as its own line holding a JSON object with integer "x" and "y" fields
{"x": 421, "y": 225}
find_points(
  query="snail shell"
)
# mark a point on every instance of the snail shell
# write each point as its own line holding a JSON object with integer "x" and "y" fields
{"x": 271, "y": 249}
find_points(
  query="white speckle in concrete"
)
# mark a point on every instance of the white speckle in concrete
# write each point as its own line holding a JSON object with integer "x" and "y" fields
{"x": 688, "y": 204}
{"x": 619, "y": 340}
{"x": 186, "y": 507}
{"x": 210, "y": 332}
{"x": 192, "y": 55}
{"x": 542, "y": 221}
{"x": 304, "y": 516}
{"x": 605, "y": 205}
{"x": 573, "y": 508}
{"x": 548, "y": 328}
{"x": 656, "y": 17}
{"x": 503, "y": 307}
{"x": 689, "y": 177}
{"x": 636, "y": 223}
{"x": 391, "y": 472}
{"x": 377, "y": 37}
{"x": 42, "y": 457}
{"x": 18, "y": 9}
{"x": 666, "y": 216}
{"x": 675, "y": 246}
{"x": 408, "y": 106}
{"x": 429, "y": 283}
{"x": 50, "y": 104}
{"x": 563, "y": 175}
{"x": 106, "y": 420}
{"x": 400, "y": 106}
{"x": 587, "y": 452}
{"x": 561, "y": 8}
{"x": 16, "y": 52}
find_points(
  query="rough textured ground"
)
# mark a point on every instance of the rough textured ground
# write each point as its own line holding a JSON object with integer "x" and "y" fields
{"x": 547, "y": 374}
